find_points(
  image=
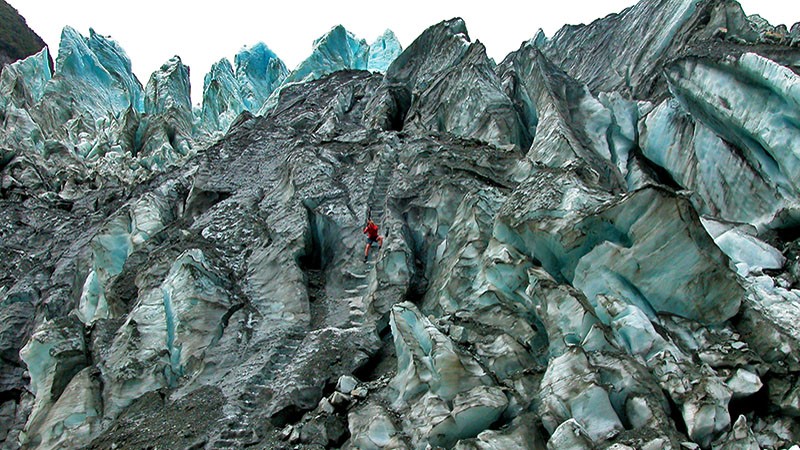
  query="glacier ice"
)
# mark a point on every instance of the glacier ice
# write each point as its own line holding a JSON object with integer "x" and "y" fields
{"x": 576, "y": 255}
{"x": 490, "y": 116}
{"x": 259, "y": 72}
{"x": 743, "y": 247}
{"x": 226, "y": 94}
{"x": 438, "y": 48}
{"x": 74, "y": 419}
{"x": 55, "y": 356}
{"x": 373, "y": 428}
{"x": 604, "y": 269}
{"x": 744, "y": 383}
{"x": 165, "y": 133}
{"x": 383, "y": 51}
{"x": 572, "y": 391}
{"x": 722, "y": 181}
{"x": 22, "y": 83}
{"x": 523, "y": 435}
{"x": 740, "y": 437}
{"x": 336, "y": 50}
{"x": 622, "y": 255}
{"x": 735, "y": 109}
{"x": 99, "y": 69}
{"x": 166, "y": 333}
{"x": 448, "y": 395}
{"x": 570, "y": 434}
{"x": 112, "y": 245}
{"x": 222, "y": 101}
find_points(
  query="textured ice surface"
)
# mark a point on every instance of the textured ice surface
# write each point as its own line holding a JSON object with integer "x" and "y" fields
{"x": 383, "y": 51}
{"x": 571, "y": 389}
{"x": 226, "y": 94}
{"x": 54, "y": 355}
{"x": 22, "y": 83}
{"x": 222, "y": 100}
{"x": 21, "y": 86}
{"x": 642, "y": 35}
{"x": 112, "y": 245}
{"x": 258, "y": 72}
{"x": 623, "y": 246}
{"x": 752, "y": 103}
{"x": 484, "y": 111}
{"x": 741, "y": 245}
{"x": 336, "y": 50}
{"x": 723, "y": 182}
{"x": 167, "y": 332}
{"x": 448, "y": 395}
{"x": 165, "y": 133}
{"x": 74, "y": 418}
{"x": 101, "y": 71}
{"x": 566, "y": 288}
{"x": 99, "y": 65}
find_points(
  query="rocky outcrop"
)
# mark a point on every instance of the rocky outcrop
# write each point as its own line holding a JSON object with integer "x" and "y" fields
{"x": 17, "y": 40}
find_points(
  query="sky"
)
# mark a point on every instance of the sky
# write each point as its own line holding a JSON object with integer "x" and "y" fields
{"x": 152, "y": 31}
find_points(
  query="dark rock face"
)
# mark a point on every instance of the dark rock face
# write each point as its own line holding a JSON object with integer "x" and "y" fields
{"x": 17, "y": 40}
{"x": 572, "y": 257}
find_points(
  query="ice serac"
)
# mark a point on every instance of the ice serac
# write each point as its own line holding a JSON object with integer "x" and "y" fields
{"x": 226, "y": 94}
{"x": 608, "y": 245}
{"x": 484, "y": 111}
{"x": 22, "y": 85}
{"x": 115, "y": 242}
{"x": 167, "y": 331}
{"x": 339, "y": 49}
{"x": 165, "y": 133}
{"x": 741, "y": 243}
{"x": 383, "y": 51}
{"x": 438, "y": 48}
{"x": 520, "y": 435}
{"x": 571, "y": 127}
{"x": 55, "y": 356}
{"x": 116, "y": 62}
{"x": 222, "y": 100}
{"x": 746, "y": 140}
{"x": 336, "y": 50}
{"x": 259, "y": 72}
{"x": 721, "y": 180}
{"x": 447, "y": 395}
{"x": 442, "y": 65}
{"x": 573, "y": 388}
{"x": 642, "y": 38}
{"x": 101, "y": 71}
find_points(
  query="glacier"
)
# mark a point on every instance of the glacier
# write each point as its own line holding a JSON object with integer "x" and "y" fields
{"x": 383, "y": 51}
{"x": 576, "y": 254}
{"x": 120, "y": 128}
{"x": 336, "y": 50}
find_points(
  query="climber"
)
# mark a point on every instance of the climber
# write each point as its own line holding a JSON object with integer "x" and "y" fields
{"x": 371, "y": 230}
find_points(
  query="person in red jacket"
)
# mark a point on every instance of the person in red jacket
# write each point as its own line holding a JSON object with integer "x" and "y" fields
{"x": 371, "y": 230}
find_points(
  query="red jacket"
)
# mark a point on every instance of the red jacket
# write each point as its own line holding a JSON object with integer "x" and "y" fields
{"x": 371, "y": 231}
